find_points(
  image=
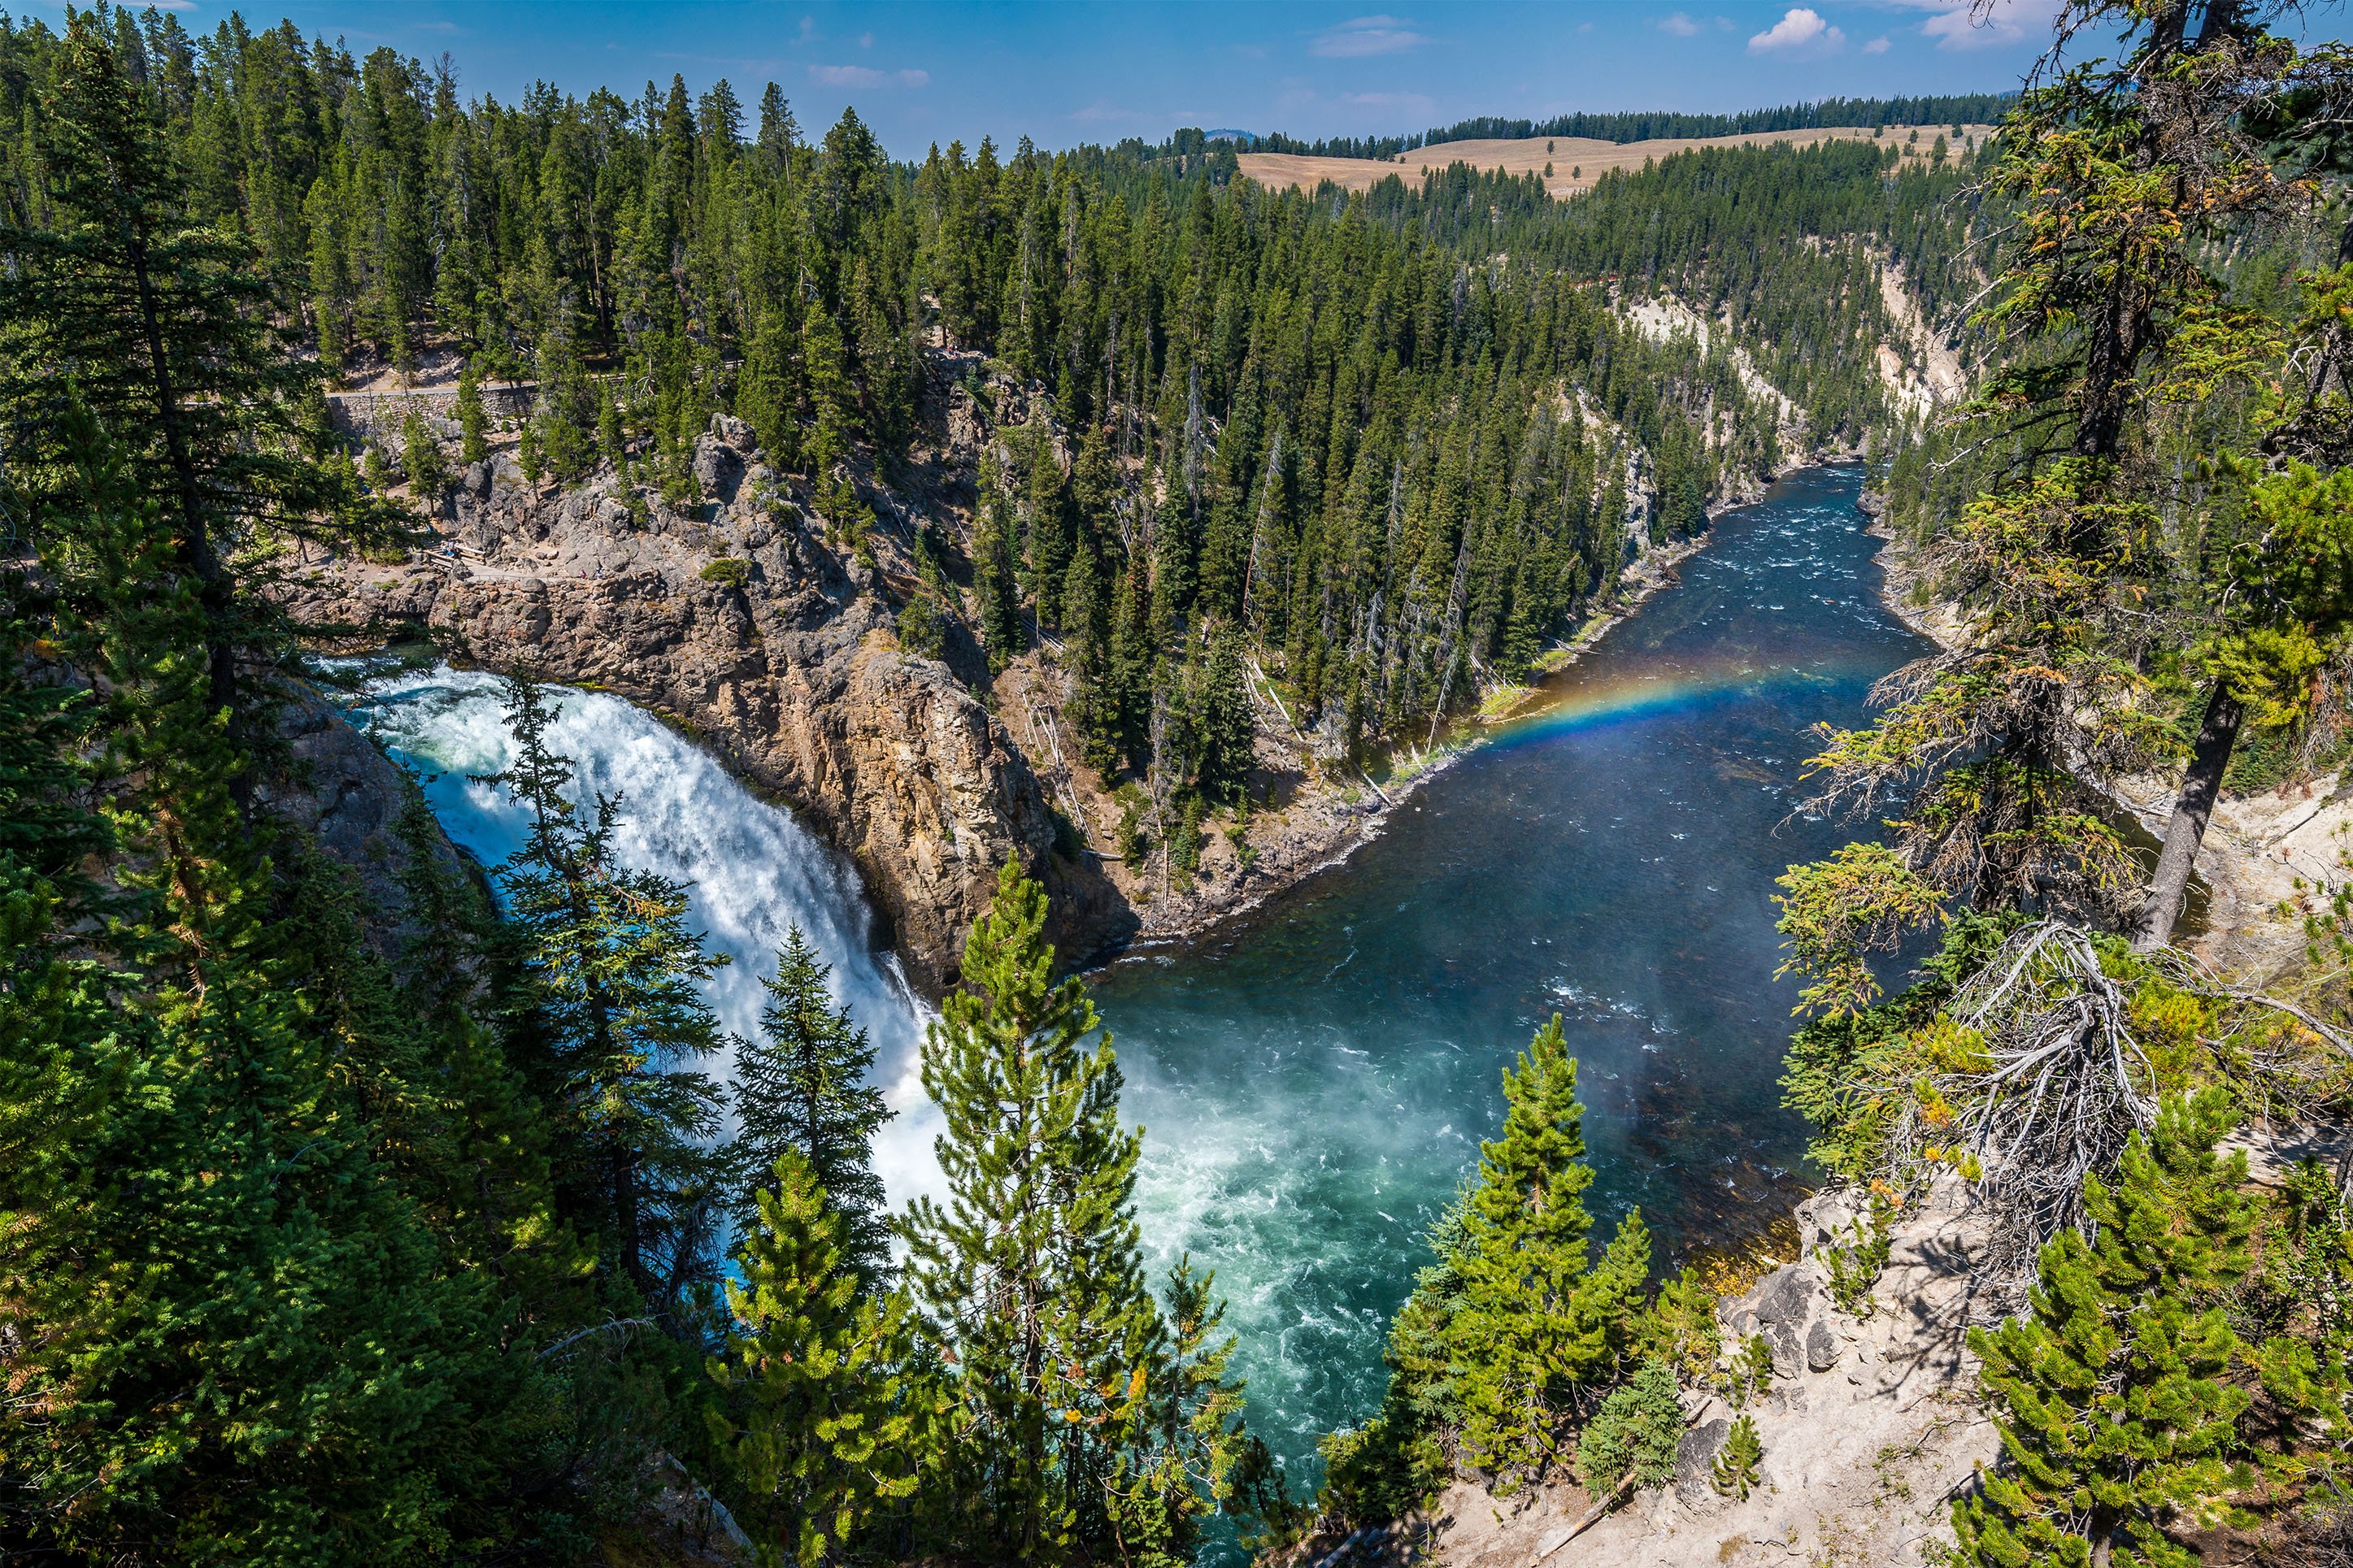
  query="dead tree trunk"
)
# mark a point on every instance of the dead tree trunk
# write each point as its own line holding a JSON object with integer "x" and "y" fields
{"x": 2191, "y": 810}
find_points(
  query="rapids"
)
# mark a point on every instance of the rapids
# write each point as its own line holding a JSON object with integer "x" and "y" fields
{"x": 1314, "y": 1082}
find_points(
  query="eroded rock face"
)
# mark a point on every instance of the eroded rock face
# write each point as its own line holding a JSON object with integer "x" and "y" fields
{"x": 349, "y": 796}
{"x": 787, "y": 665}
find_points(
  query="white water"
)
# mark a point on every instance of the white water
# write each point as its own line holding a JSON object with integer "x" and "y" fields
{"x": 753, "y": 871}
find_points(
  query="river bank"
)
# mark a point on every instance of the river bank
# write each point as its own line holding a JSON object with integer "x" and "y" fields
{"x": 1329, "y": 811}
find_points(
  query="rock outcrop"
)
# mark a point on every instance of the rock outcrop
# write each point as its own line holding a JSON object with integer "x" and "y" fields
{"x": 1870, "y": 1427}
{"x": 349, "y": 796}
{"x": 737, "y": 618}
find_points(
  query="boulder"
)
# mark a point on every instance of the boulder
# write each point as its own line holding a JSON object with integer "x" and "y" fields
{"x": 1785, "y": 1307}
{"x": 1694, "y": 1482}
{"x": 718, "y": 467}
{"x": 734, "y": 432}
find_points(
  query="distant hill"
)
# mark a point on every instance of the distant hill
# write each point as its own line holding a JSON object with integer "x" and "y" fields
{"x": 1567, "y": 163}
{"x": 1650, "y": 125}
{"x": 1247, "y": 138}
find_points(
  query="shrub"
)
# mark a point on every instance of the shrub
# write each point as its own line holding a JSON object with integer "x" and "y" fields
{"x": 1634, "y": 1435}
{"x": 734, "y": 574}
{"x": 1184, "y": 844}
{"x": 923, "y": 630}
{"x": 421, "y": 455}
{"x": 1752, "y": 1372}
{"x": 1237, "y": 835}
{"x": 1854, "y": 1265}
{"x": 1681, "y": 1327}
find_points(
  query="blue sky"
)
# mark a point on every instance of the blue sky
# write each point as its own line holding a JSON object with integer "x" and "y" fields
{"x": 1069, "y": 73}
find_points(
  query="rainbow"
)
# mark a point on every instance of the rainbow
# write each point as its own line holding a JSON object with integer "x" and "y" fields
{"x": 1611, "y": 701}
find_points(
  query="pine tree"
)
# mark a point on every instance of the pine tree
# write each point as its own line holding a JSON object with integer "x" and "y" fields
{"x": 801, "y": 1089}
{"x": 1631, "y": 1441}
{"x": 1734, "y": 1473}
{"x": 818, "y": 1424}
{"x": 766, "y": 395}
{"x": 1046, "y": 556}
{"x": 1029, "y": 1276}
{"x": 237, "y": 1337}
{"x": 473, "y": 424}
{"x": 996, "y": 572}
{"x": 617, "y": 980}
{"x": 176, "y": 345}
{"x": 1221, "y": 705}
{"x": 420, "y": 459}
{"x": 2116, "y": 1413}
{"x": 1532, "y": 1322}
{"x": 1190, "y": 1453}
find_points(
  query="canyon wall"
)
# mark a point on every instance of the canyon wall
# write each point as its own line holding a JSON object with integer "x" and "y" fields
{"x": 784, "y": 658}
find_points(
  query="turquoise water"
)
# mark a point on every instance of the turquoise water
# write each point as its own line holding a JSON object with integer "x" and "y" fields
{"x": 1316, "y": 1082}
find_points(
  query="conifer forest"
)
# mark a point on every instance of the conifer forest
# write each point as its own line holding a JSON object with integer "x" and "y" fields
{"x": 369, "y": 1198}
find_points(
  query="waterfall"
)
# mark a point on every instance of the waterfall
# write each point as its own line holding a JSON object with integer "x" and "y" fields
{"x": 753, "y": 870}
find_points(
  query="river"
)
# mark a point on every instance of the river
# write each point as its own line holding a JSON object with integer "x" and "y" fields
{"x": 1314, "y": 1080}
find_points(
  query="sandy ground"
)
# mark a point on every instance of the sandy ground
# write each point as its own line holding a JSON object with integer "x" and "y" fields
{"x": 1578, "y": 162}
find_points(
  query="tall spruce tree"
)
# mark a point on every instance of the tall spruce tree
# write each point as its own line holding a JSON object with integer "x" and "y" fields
{"x": 801, "y": 1088}
{"x": 1531, "y": 1323}
{"x": 168, "y": 329}
{"x": 2114, "y": 1393}
{"x": 819, "y": 1423}
{"x": 616, "y": 974}
{"x": 1029, "y": 1276}
{"x": 235, "y": 1337}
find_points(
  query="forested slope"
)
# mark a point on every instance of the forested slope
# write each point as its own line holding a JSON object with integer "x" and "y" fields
{"x": 1339, "y": 432}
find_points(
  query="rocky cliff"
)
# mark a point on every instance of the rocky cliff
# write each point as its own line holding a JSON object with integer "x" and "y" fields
{"x": 741, "y": 616}
{"x": 348, "y": 797}
{"x": 1870, "y": 1427}
{"x": 736, "y": 617}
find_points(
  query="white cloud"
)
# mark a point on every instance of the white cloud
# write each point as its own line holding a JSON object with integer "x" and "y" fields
{"x": 863, "y": 75}
{"x": 1680, "y": 26}
{"x": 1800, "y": 29}
{"x": 1367, "y": 36}
{"x": 1877, "y": 46}
{"x": 1958, "y": 25}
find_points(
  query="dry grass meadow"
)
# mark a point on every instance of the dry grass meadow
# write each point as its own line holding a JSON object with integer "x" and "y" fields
{"x": 1577, "y": 161}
